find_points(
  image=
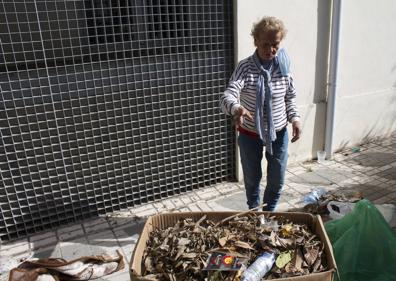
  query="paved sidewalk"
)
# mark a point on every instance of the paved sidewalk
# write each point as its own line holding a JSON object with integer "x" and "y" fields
{"x": 370, "y": 169}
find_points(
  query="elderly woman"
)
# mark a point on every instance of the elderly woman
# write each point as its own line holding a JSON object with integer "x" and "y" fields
{"x": 261, "y": 97}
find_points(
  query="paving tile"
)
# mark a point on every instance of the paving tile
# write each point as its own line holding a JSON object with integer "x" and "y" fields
{"x": 286, "y": 187}
{"x": 101, "y": 236}
{"x": 168, "y": 204}
{"x": 295, "y": 169}
{"x": 218, "y": 208}
{"x": 43, "y": 240}
{"x": 361, "y": 179}
{"x": 116, "y": 219}
{"x": 391, "y": 198}
{"x": 128, "y": 235}
{"x": 333, "y": 187}
{"x": 392, "y": 184}
{"x": 177, "y": 202}
{"x": 104, "y": 248}
{"x": 327, "y": 163}
{"x": 185, "y": 199}
{"x": 128, "y": 251}
{"x": 146, "y": 213}
{"x": 288, "y": 175}
{"x": 14, "y": 248}
{"x": 194, "y": 208}
{"x": 283, "y": 206}
{"x": 347, "y": 183}
{"x": 124, "y": 239}
{"x": 333, "y": 175}
{"x": 226, "y": 189}
{"x": 373, "y": 196}
{"x": 53, "y": 251}
{"x": 304, "y": 167}
{"x": 206, "y": 194}
{"x": 384, "y": 200}
{"x": 236, "y": 201}
{"x": 116, "y": 276}
{"x": 295, "y": 202}
{"x": 95, "y": 225}
{"x": 385, "y": 167}
{"x": 388, "y": 173}
{"x": 194, "y": 198}
{"x": 310, "y": 178}
{"x": 70, "y": 232}
{"x": 121, "y": 221}
{"x": 301, "y": 188}
{"x": 120, "y": 214}
{"x": 204, "y": 207}
{"x": 75, "y": 249}
{"x": 159, "y": 206}
{"x": 142, "y": 209}
{"x": 288, "y": 196}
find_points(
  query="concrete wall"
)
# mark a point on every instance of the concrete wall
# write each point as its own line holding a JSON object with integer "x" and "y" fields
{"x": 366, "y": 104}
{"x": 366, "y": 100}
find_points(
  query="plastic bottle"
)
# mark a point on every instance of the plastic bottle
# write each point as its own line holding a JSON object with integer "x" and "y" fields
{"x": 259, "y": 268}
{"x": 314, "y": 196}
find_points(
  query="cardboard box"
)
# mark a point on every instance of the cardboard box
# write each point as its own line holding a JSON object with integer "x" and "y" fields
{"x": 163, "y": 221}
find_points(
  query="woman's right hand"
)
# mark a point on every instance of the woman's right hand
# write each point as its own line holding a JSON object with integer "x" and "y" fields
{"x": 240, "y": 114}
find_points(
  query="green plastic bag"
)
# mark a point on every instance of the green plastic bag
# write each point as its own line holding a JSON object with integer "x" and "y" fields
{"x": 364, "y": 245}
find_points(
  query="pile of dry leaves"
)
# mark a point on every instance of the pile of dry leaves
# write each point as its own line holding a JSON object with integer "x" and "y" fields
{"x": 181, "y": 252}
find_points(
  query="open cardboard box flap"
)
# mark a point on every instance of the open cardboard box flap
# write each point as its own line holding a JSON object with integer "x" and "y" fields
{"x": 163, "y": 221}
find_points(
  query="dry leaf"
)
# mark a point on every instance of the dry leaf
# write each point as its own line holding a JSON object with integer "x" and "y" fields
{"x": 283, "y": 259}
{"x": 286, "y": 230}
{"x": 244, "y": 245}
{"x": 311, "y": 255}
{"x": 223, "y": 241}
{"x": 183, "y": 241}
{"x": 189, "y": 255}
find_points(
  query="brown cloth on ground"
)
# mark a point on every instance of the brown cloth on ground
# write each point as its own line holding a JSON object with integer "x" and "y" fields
{"x": 54, "y": 269}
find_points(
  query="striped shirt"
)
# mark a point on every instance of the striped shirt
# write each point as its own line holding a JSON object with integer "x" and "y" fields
{"x": 242, "y": 90}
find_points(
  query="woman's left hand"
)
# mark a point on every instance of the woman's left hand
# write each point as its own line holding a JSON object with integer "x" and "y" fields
{"x": 296, "y": 130}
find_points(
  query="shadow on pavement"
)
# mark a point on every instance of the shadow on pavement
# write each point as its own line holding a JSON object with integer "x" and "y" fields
{"x": 372, "y": 159}
{"x": 374, "y": 193}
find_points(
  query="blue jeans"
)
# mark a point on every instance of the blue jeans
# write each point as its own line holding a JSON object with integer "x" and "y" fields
{"x": 251, "y": 151}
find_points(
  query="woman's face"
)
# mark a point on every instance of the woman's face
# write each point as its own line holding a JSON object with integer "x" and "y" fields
{"x": 267, "y": 44}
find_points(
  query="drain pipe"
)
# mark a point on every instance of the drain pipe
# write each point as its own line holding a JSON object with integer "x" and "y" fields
{"x": 333, "y": 71}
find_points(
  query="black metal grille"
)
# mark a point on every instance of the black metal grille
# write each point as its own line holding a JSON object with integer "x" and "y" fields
{"x": 106, "y": 105}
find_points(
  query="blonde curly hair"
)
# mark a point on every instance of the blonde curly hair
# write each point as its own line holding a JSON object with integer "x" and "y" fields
{"x": 268, "y": 24}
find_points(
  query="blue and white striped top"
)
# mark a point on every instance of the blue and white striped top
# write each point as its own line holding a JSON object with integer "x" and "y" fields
{"x": 242, "y": 90}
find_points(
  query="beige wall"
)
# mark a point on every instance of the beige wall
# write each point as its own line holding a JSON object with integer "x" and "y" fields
{"x": 366, "y": 99}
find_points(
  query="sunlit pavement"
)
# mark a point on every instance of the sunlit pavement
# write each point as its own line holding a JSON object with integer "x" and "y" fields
{"x": 369, "y": 168}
